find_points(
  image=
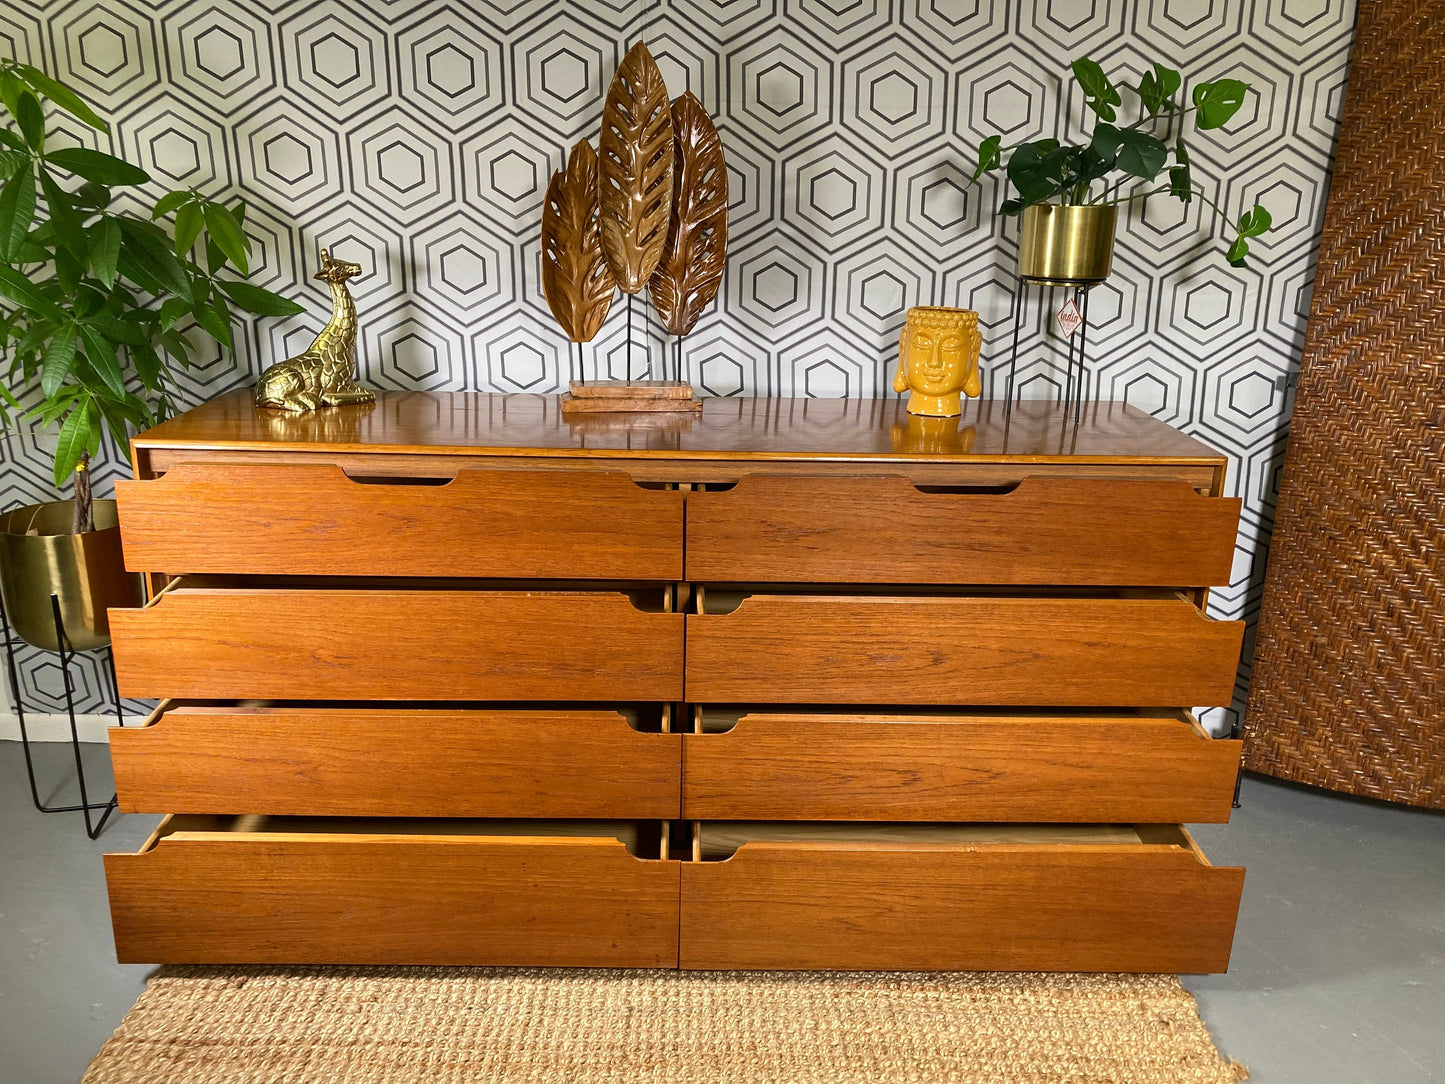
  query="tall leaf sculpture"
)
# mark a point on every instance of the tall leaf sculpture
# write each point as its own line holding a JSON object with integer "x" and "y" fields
{"x": 691, "y": 270}
{"x": 576, "y": 280}
{"x": 635, "y": 170}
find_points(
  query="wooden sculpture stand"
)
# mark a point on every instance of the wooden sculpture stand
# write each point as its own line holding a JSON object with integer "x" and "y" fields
{"x": 626, "y": 396}
{"x": 454, "y": 680}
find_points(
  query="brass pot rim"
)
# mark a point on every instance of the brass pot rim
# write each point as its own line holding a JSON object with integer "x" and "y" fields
{"x": 100, "y": 504}
{"x": 1076, "y": 207}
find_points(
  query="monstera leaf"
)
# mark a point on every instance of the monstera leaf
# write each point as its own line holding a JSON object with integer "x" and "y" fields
{"x": 693, "y": 259}
{"x": 634, "y": 183}
{"x": 575, "y": 277}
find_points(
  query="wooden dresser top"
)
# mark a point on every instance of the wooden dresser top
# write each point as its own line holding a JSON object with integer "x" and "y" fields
{"x": 478, "y": 423}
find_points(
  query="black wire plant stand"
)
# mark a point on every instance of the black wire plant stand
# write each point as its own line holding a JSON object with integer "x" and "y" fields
{"x": 1078, "y": 341}
{"x": 67, "y": 654}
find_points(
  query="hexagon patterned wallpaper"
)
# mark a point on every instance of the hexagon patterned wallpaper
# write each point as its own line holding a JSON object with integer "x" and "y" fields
{"x": 417, "y": 138}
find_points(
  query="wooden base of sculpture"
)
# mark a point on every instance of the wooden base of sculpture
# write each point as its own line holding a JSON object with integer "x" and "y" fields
{"x": 625, "y": 397}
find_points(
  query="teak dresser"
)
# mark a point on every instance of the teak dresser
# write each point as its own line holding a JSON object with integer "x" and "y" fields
{"x": 787, "y": 684}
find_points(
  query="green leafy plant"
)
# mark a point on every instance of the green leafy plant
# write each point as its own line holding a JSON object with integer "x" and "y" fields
{"x": 93, "y": 298}
{"x": 1153, "y": 144}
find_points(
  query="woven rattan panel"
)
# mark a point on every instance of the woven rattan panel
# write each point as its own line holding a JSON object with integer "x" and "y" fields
{"x": 1347, "y": 684}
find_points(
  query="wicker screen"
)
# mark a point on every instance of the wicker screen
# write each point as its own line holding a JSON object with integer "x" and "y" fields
{"x": 1350, "y": 665}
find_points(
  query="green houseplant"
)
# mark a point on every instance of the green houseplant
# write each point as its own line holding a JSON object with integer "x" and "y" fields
{"x": 1068, "y": 194}
{"x": 94, "y": 299}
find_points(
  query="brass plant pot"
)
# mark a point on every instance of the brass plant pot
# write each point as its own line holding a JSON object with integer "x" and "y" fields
{"x": 85, "y": 571}
{"x": 1065, "y": 246}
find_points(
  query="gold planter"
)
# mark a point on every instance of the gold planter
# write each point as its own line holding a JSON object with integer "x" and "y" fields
{"x": 1064, "y": 246}
{"x": 86, "y": 571}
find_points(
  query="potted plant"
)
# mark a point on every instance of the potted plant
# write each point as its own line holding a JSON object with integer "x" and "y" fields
{"x": 1068, "y": 194}
{"x": 93, "y": 299}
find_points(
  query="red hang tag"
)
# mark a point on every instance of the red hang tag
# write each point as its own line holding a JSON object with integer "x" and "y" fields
{"x": 1069, "y": 318}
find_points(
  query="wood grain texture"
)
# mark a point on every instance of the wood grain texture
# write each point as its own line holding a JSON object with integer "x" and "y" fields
{"x": 634, "y": 173}
{"x": 393, "y": 900}
{"x": 695, "y": 256}
{"x": 1038, "y": 652}
{"x": 576, "y": 279}
{"x": 629, "y": 389}
{"x": 1067, "y": 531}
{"x": 720, "y": 840}
{"x": 300, "y": 644}
{"x": 1112, "y": 436}
{"x": 659, "y": 430}
{"x": 1004, "y": 907}
{"x": 343, "y": 893}
{"x": 396, "y": 762}
{"x": 776, "y": 766}
{"x": 573, "y": 404}
{"x": 311, "y": 519}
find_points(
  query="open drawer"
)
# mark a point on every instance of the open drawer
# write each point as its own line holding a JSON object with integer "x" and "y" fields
{"x": 1078, "y": 649}
{"x": 966, "y": 897}
{"x": 403, "y": 761}
{"x": 954, "y": 766}
{"x": 314, "y": 519}
{"x": 298, "y": 891}
{"x": 1043, "y": 530}
{"x": 287, "y": 641}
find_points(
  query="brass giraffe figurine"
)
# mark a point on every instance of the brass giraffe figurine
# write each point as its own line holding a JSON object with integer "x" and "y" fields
{"x": 322, "y": 375}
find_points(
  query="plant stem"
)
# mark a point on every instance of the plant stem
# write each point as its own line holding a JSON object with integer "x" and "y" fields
{"x": 1128, "y": 199}
{"x": 1217, "y": 209}
{"x": 1164, "y": 116}
{"x": 84, "y": 520}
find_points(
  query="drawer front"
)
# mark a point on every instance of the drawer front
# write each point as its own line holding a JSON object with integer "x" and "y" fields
{"x": 1013, "y": 768}
{"x": 1038, "y": 652}
{"x": 303, "y": 644}
{"x": 295, "y": 899}
{"x": 1006, "y": 907}
{"x": 1046, "y": 530}
{"x": 313, "y": 520}
{"x": 379, "y": 762}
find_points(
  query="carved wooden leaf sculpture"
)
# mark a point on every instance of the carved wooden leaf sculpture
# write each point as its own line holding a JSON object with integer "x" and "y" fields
{"x": 575, "y": 277}
{"x": 693, "y": 259}
{"x": 634, "y": 183}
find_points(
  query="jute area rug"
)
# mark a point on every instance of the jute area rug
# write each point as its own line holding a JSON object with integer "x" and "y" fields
{"x": 393, "y": 1025}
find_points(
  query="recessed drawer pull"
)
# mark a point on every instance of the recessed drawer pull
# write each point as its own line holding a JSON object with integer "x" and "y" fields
{"x": 290, "y": 890}
{"x": 388, "y": 644}
{"x": 885, "y": 529}
{"x": 984, "y": 650}
{"x": 940, "y": 766}
{"x": 970, "y": 897}
{"x": 405, "y": 761}
{"x": 315, "y": 520}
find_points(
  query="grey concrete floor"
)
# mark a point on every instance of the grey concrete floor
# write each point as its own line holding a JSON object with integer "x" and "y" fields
{"x": 1338, "y": 972}
{"x": 1338, "y": 969}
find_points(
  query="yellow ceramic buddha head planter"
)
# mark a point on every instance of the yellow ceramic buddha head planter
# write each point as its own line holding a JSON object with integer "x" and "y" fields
{"x": 938, "y": 359}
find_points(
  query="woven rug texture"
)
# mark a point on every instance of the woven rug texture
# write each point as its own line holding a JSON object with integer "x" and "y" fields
{"x": 212, "y": 1025}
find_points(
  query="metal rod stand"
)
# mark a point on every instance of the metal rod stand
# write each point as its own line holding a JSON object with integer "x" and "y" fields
{"x": 1020, "y": 295}
{"x": 1234, "y": 732}
{"x": 67, "y": 654}
{"x": 1078, "y": 344}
